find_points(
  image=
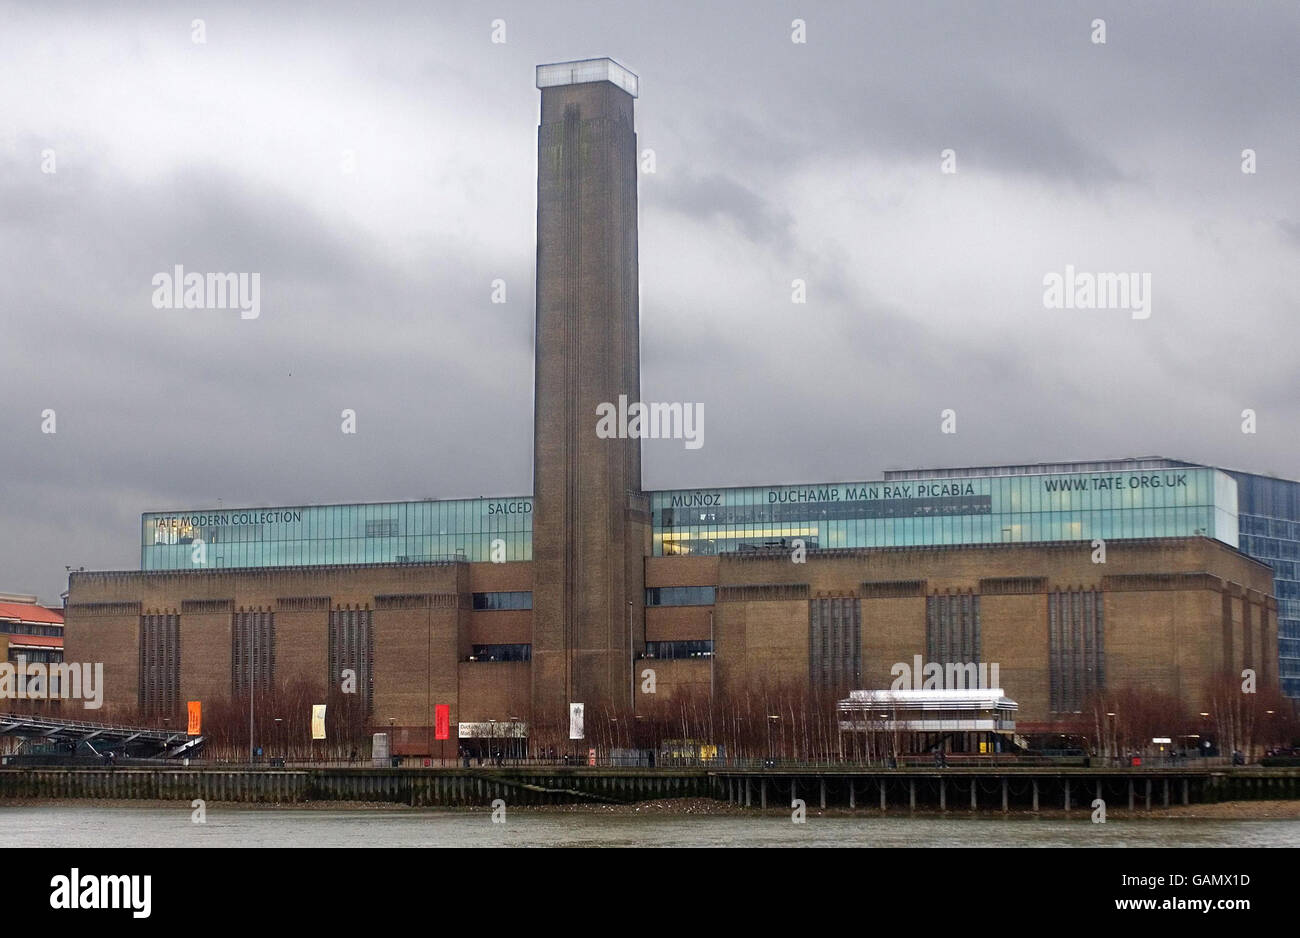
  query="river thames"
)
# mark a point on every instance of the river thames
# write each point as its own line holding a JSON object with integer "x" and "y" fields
{"x": 80, "y": 825}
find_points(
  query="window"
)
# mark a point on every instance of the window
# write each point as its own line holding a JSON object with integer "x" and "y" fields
{"x": 352, "y": 647}
{"x": 160, "y": 661}
{"x": 496, "y": 601}
{"x": 834, "y": 645}
{"x": 1076, "y": 648}
{"x": 671, "y": 651}
{"x": 254, "y": 637}
{"x": 952, "y": 632}
{"x": 679, "y": 596}
{"x": 502, "y": 653}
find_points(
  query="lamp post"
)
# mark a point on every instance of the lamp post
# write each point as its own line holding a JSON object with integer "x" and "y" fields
{"x": 250, "y": 689}
{"x": 712, "y": 657}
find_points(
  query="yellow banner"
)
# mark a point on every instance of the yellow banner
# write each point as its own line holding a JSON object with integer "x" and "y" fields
{"x": 317, "y": 721}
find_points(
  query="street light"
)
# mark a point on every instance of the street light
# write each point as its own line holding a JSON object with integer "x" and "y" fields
{"x": 515, "y": 734}
{"x": 250, "y": 689}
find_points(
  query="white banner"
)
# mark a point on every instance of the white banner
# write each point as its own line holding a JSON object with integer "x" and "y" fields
{"x": 575, "y": 721}
{"x": 499, "y": 730}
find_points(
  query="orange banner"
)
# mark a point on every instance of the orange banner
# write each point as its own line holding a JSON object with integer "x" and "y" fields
{"x": 196, "y": 718}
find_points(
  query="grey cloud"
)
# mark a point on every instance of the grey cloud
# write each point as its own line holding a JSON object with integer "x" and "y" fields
{"x": 719, "y": 197}
{"x": 167, "y": 409}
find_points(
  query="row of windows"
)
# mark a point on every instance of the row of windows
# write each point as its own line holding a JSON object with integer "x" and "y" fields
{"x": 834, "y": 645}
{"x": 252, "y": 652}
{"x": 1283, "y": 570}
{"x": 952, "y": 632}
{"x": 1118, "y": 489}
{"x": 1269, "y": 527}
{"x": 679, "y": 596}
{"x": 1277, "y": 498}
{"x": 352, "y": 649}
{"x": 1267, "y": 548}
{"x": 160, "y": 661}
{"x": 521, "y": 652}
{"x": 708, "y": 540}
{"x": 35, "y": 655}
{"x": 461, "y": 516}
{"x": 1077, "y": 653}
{"x": 1112, "y": 504}
{"x": 677, "y": 650}
{"x": 776, "y": 514}
{"x": 220, "y": 553}
{"x": 520, "y": 599}
{"x": 30, "y": 628}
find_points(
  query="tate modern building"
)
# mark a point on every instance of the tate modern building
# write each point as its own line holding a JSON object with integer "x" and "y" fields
{"x": 509, "y": 609}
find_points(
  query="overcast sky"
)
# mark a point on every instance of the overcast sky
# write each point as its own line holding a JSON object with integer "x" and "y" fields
{"x": 774, "y": 161}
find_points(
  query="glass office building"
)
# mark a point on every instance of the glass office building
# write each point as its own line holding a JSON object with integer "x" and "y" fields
{"x": 1269, "y": 519}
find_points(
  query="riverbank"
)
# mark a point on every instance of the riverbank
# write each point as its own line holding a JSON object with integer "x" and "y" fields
{"x": 697, "y": 807}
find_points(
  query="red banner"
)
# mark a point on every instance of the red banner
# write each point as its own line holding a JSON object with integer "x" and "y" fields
{"x": 195, "y": 721}
{"x": 442, "y": 721}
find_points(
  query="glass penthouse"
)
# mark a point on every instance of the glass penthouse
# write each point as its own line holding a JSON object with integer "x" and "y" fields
{"x": 1047, "y": 506}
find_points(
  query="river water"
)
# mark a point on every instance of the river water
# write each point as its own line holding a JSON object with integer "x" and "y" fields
{"x": 79, "y": 825}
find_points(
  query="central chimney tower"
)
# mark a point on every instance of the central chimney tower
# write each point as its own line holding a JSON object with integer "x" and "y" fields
{"x": 591, "y": 523}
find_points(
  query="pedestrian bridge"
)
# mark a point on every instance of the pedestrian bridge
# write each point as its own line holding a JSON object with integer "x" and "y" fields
{"x": 133, "y": 742}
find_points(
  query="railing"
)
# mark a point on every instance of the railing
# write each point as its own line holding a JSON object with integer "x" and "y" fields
{"x": 81, "y": 726}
